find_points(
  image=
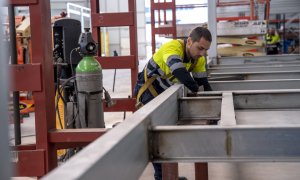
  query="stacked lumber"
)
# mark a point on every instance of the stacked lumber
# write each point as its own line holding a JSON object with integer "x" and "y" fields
{"x": 233, "y": 38}
{"x": 234, "y": 46}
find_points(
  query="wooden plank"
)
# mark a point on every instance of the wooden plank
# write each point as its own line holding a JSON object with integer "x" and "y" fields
{"x": 240, "y": 41}
{"x": 240, "y": 51}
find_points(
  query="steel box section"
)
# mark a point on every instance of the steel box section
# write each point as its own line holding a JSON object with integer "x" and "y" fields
{"x": 256, "y": 75}
{"x": 255, "y": 84}
{"x": 252, "y": 69}
{"x": 259, "y": 59}
{"x": 211, "y": 144}
{"x": 268, "y": 64}
{"x": 285, "y": 99}
{"x": 260, "y": 126}
{"x": 123, "y": 152}
{"x": 200, "y": 108}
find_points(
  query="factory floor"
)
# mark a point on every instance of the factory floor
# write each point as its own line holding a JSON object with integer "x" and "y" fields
{"x": 217, "y": 171}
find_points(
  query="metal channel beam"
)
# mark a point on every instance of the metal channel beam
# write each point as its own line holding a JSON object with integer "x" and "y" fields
{"x": 254, "y": 69}
{"x": 255, "y": 85}
{"x": 259, "y": 59}
{"x": 254, "y": 75}
{"x": 275, "y": 99}
{"x": 269, "y": 64}
{"x": 242, "y": 143}
{"x": 232, "y": 140}
{"x": 123, "y": 152}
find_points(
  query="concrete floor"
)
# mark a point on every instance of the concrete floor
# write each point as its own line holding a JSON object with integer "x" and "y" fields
{"x": 217, "y": 171}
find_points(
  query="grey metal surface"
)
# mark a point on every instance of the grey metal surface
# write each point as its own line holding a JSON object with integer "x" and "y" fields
{"x": 5, "y": 170}
{"x": 266, "y": 68}
{"x": 200, "y": 108}
{"x": 243, "y": 143}
{"x": 255, "y": 85}
{"x": 212, "y": 26}
{"x": 260, "y": 59}
{"x": 248, "y": 65}
{"x": 266, "y": 128}
{"x": 123, "y": 152}
{"x": 255, "y": 75}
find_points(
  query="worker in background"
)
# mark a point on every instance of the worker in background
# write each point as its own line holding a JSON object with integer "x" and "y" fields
{"x": 273, "y": 41}
{"x": 177, "y": 61}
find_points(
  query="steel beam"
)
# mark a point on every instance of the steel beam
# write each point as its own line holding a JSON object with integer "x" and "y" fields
{"x": 255, "y": 75}
{"x": 268, "y": 64}
{"x": 26, "y": 77}
{"x": 259, "y": 59}
{"x": 255, "y": 85}
{"x": 210, "y": 144}
{"x": 251, "y": 69}
{"x": 123, "y": 152}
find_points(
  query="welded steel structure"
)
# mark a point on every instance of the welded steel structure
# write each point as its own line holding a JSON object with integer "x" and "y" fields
{"x": 124, "y": 151}
{"x": 152, "y": 134}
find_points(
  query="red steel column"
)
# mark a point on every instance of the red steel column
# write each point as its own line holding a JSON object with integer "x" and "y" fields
{"x": 40, "y": 21}
{"x": 201, "y": 171}
{"x": 133, "y": 43}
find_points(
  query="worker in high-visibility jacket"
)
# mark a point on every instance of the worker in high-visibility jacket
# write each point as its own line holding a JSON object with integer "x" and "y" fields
{"x": 273, "y": 41}
{"x": 175, "y": 61}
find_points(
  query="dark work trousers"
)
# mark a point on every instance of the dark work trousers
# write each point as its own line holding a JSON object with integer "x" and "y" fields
{"x": 144, "y": 99}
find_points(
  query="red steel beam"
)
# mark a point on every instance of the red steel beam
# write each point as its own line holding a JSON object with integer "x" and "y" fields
{"x": 161, "y": 5}
{"x": 95, "y": 9}
{"x": 201, "y": 171}
{"x": 122, "y": 104}
{"x": 71, "y": 138}
{"x": 29, "y": 162}
{"x": 163, "y": 30}
{"x": 133, "y": 44}
{"x": 117, "y": 62}
{"x": 22, "y": 2}
{"x": 24, "y": 147}
{"x": 40, "y": 22}
{"x": 112, "y": 19}
{"x": 170, "y": 171}
{"x": 25, "y": 77}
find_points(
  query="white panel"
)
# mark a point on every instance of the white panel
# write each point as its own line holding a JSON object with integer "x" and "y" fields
{"x": 141, "y": 19}
{"x": 124, "y": 31}
{"x": 113, "y": 34}
{"x": 141, "y": 35}
{"x": 125, "y": 43}
{"x": 123, "y": 6}
{"x": 112, "y": 6}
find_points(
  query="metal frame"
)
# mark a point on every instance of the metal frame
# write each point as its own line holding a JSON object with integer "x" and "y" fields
{"x": 150, "y": 135}
{"x": 289, "y": 58}
{"x": 249, "y": 3}
{"x": 256, "y": 75}
{"x": 39, "y": 158}
{"x": 255, "y": 68}
{"x": 120, "y": 62}
{"x": 163, "y": 28}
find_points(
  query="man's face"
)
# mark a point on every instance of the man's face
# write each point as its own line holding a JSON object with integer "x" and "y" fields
{"x": 198, "y": 48}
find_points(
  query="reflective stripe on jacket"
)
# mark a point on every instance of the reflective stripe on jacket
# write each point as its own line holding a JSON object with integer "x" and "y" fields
{"x": 169, "y": 57}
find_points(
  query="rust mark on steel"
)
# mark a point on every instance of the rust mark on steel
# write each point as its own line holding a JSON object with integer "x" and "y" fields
{"x": 228, "y": 143}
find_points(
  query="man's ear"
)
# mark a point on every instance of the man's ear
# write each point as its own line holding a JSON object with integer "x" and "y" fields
{"x": 189, "y": 42}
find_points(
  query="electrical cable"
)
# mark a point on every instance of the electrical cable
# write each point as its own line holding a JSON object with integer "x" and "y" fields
{"x": 75, "y": 84}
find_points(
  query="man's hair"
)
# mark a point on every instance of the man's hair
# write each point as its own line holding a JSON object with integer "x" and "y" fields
{"x": 200, "y": 32}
